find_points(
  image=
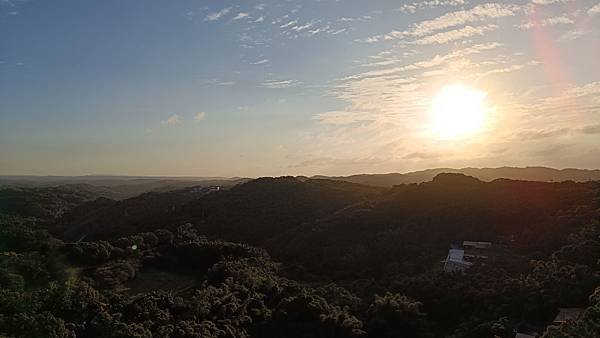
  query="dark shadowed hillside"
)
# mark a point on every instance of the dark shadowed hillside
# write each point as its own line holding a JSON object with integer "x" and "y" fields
{"x": 106, "y": 218}
{"x": 250, "y": 212}
{"x": 46, "y": 203}
{"x": 413, "y": 225}
{"x": 341, "y": 230}
{"x": 348, "y": 261}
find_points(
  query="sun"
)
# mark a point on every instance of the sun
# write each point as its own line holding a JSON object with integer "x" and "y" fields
{"x": 458, "y": 111}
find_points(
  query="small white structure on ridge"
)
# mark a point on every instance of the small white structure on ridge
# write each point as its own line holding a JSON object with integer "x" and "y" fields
{"x": 456, "y": 261}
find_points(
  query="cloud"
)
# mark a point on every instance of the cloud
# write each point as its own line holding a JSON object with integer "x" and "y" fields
{"x": 507, "y": 69}
{"x": 299, "y": 28}
{"x": 241, "y": 15}
{"x": 362, "y": 18}
{"x": 289, "y": 24}
{"x": 457, "y": 34}
{"x": 336, "y": 162}
{"x": 279, "y": 84}
{"x": 591, "y": 129}
{"x": 215, "y": 82}
{"x": 555, "y": 112}
{"x": 592, "y": 88}
{"x": 558, "y": 20}
{"x": 422, "y": 156}
{"x": 549, "y": 2}
{"x": 412, "y": 8}
{"x": 217, "y": 15}
{"x": 594, "y": 10}
{"x": 552, "y": 21}
{"x": 336, "y": 32}
{"x": 534, "y": 135}
{"x": 551, "y": 150}
{"x": 437, "y": 60}
{"x": 572, "y": 35}
{"x": 172, "y": 120}
{"x": 342, "y": 117}
{"x": 260, "y": 62}
{"x": 478, "y": 13}
{"x": 199, "y": 116}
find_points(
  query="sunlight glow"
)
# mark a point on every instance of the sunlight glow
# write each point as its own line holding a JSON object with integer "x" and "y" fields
{"x": 458, "y": 111}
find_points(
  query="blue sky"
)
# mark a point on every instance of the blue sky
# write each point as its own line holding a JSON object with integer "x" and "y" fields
{"x": 251, "y": 88}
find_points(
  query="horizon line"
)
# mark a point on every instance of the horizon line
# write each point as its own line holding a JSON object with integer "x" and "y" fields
{"x": 254, "y": 177}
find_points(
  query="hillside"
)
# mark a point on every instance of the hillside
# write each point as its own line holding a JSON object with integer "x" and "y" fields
{"x": 246, "y": 212}
{"x": 324, "y": 225}
{"x": 115, "y": 187}
{"x": 541, "y": 174}
{"x": 302, "y": 258}
{"x": 46, "y": 203}
{"x": 412, "y": 226}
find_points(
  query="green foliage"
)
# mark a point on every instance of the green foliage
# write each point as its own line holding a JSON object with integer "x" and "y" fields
{"x": 395, "y": 315}
{"x": 388, "y": 283}
{"x": 588, "y": 326}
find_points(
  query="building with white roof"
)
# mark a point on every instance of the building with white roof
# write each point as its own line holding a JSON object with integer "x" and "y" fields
{"x": 455, "y": 261}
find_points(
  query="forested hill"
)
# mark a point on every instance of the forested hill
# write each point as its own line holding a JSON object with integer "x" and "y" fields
{"x": 254, "y": 209}
{"x": 297, "y": 257}
{"x": 279, "y": 213}
{"x": 541, "y": 174}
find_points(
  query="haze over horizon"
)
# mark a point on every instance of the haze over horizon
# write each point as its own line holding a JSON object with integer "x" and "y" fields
{"x": 270, "y": 88}
{"x": 535, "y": 172}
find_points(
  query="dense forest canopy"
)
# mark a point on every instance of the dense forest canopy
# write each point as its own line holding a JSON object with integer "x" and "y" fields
{"x": 299, "y": 257}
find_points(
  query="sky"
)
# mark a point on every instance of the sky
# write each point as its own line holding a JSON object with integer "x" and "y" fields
{"x": 268, "y": 88}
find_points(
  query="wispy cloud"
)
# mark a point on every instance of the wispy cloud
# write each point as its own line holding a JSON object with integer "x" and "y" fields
{"x": 456, "y": 34}
{"x": 279, "y": 84}
{"x": 422, "y": 155}
{"x": 199, "y": 116}
{"x": 361, "y": 18}
{"x": 572, "y": 35}
{"x": 342, "y": 117}
{"x": 478, "y": 13}
{"x": 414, "y": 6}
{"x": 289, "y": 24}
{"x": 217, "y": 15}
{"x": 549, "y": 2}
{"x": 260, "y": 62}
{"x": 215, "y": 82}
{"x": 435, "y": 61}
{"x": 542, "y": 134}
{"x": 241, "y": 15}
{"x": 299, "y": 28}
{"x": 172, "y": 120}
{"x": 552, "y": 21}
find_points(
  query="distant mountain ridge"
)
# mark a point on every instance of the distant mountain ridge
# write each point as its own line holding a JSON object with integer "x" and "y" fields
{"x": 137, "y": 184}
{"x": 542, "y": 174}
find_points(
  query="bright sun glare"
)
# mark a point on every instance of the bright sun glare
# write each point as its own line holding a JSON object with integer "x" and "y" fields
{"x": 458, "y": 111}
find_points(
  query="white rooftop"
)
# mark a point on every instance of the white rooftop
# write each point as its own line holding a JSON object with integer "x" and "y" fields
{"x": 456, "y": 255}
